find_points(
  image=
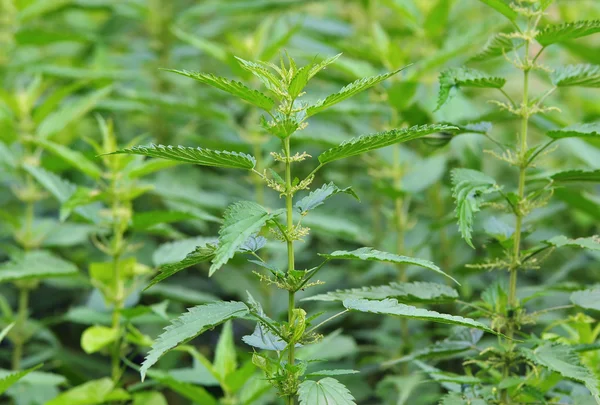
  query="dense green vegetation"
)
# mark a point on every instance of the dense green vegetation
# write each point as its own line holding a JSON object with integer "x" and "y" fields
{"x": 293, "y": 202}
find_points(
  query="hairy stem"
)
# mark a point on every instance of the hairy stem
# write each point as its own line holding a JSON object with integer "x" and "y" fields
{"x": 20, "y": 328}
{"x": 290, "y": 249}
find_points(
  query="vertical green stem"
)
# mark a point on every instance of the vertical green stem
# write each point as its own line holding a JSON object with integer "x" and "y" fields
{"x": 118, "y": 298}
{"x": 290, "y": 246}
{"x": 20, "y": 328}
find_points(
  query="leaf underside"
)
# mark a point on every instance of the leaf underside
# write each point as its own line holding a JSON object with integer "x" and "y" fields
{"x": 318, "y": 196}
{"x": 455, "y": 78}
{"x": 588, "y": 299}
{"x": 590, "y": 243}
{"x": 590, "y": 130}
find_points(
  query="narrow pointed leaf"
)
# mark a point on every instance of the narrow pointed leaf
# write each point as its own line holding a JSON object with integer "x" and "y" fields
{"x": 577, "y": 176}
{"x": 366, "y": 143}
{"x": 13, "y": 378}
{"x": 348, "y": 91}
{"x": 415, "y": 292}
{"x": 322, "y": 65}
{"x": 469, "y": 186}
{"x": 503, "y": 7}
{"x": 318, "y": 197}
{"x": 370, "y": 254}
{"x": 197, "y": 320}
{"x": 197, "y": 156}
{"x": 563, "y": 32}
{"x": 36, "y": 264}
{"x": 591, "y": 130}
{"x": 565, "y": 361}
{"x": 588, "y": 299}
{"x": 201, "y": 254}
{"x": 392, "y": 307}
{"x": 233, "y": 87}
{"x": 453, "y": 79}
{"x": 270, "y": 80}
{"x": 327, "y": 391}
{"x": 590, "y": 243}
{"x": 72, "y": 157}
{"x": 242, "y": 220}
{"x": 576, "y": 76}
{"x": 225, "y": 361}
{"x": 299, "y": 81}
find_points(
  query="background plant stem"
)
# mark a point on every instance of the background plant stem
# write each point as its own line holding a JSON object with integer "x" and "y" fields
{"x": 290, "y": 248}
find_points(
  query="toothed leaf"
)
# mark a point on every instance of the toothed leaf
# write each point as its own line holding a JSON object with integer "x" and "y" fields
{"x": 591, "y": 242}
{"x": 318, "y": 196}
{"x": 197, "y": 156}
{"x": 577, "y": 176}
{"x": 588, "y": 299}
{"x": 497, "y": 45}
{"x": 36, "y": 264}
{"x": 591, "y": 130}
{"x": 453, "y": 79}
{"x": 326, "y": 391}
{"x": 503, "y": 7}
{"x": 366, "y": 143}
{"x": 187, "y": 326}
{"x": 576, "y": 76}
{"x": 563, "y": 32}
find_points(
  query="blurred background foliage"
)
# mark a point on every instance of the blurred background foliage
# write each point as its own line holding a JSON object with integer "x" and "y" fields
{"x": 65, "y": 64}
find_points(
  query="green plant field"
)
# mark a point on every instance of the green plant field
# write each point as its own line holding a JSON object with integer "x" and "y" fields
{"x": 295, "y": 202}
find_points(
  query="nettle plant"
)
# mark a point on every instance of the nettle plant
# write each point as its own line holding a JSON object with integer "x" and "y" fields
{"x": 524, "y": 369}
{"x": 242, "y": 232}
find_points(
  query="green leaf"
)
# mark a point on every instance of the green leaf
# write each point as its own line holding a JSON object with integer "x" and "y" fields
{"x": 80, "y": 197}
{"x": 94, "y": 392}
{"x": 235, "y": 88}
{"x": 225, "y": 361}
{"x": 196, "y": 394}
{"x": 366, "y": 143}
{"x": 187, "y": 326}
{"x": 316, "y": 68}
{"x": 417, "y": 291}
{"x": 299, "y": 81}
{"x": 348, "y": 91}
{"x": 591, "y": 243}
{"x": 577, "y": 176}
{"x": 11, "y": 379}
{"x": 36, "y": 264}
{"x": 497, "y": 45}
{"x": 468, "y": 188}
{"x": 197, "y": 156}
{"x": 392, "y": 307}
{"x": 5, "y": 331}
{"x": 588, "y": 299}
{"x": 455, "y": 398}
{"x": 326, "y": 391}
{"x": 503, "y": 7}
{"x": 72, "y": 157}
{"x": 149, "y": 398}
{"x": 370, "y": 254}
{"x": 563, "y": 32}
{"x": 323, "y": 373}
{"x": 70, "y": 112}
{"x": 97, "y": 337}
{"x": 318, "y": 197}
{"x": 241, "y": 220}
{"x": 576, "y": 76}
{"x": 261, "y": 71}
{"x": 453, "y": 79}
{"x": 148, "y": 219}
{"x": 590, "y": 130}
{"x": 565, "y": 361}
{"x": 202, "y": 253}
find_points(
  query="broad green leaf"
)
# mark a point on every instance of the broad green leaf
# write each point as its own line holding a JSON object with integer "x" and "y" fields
{"x": 94, "y": 392}
{"x": 36, "y": 264}
{"x": 327, "y": 391}
{"x": 370, "y": 254}
{"x": 70, "y": 112}
{"x": 71, "y": 156}
{"x": 497, "y": 45}
{"x": 577, "y": 176}
{"x": 591, "y": 243}
{"x": 417, "y": 291}
{"x": 563, "y": 32}
{"x": 348, "y": 91}
{"x": 241, "y": 220}
{"x": 176, "y": 251}
{"x": 97, "y": 337}
{"x": 565, "y": 361}
{"x": 318, "y": 197}
{"x": 392, "y": 307}
{"x": 149, "y": 398}
{"x": 453, "y": 79}
{"x": 576, "y": 76}
{"x": 590, "y": 130}
{"x": 263, "y": 72}
{"x": 503, "y": 7}
{"x": 202, "y": 253}
{"x": 468, "y": 188}
{"x": 195, "y": 393}
{"x": 13, "y": 378}
{"x": 187, "y": 326}
{"x": 197, "y": 156}
{"x": 588, "y": 299}
{"x": 263, "y": 338}
{"x": 225, "y": 361}
{"x": 366, "y": 143}
{"x": 237, "y": 89}
{"x": 455, "y": 398}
